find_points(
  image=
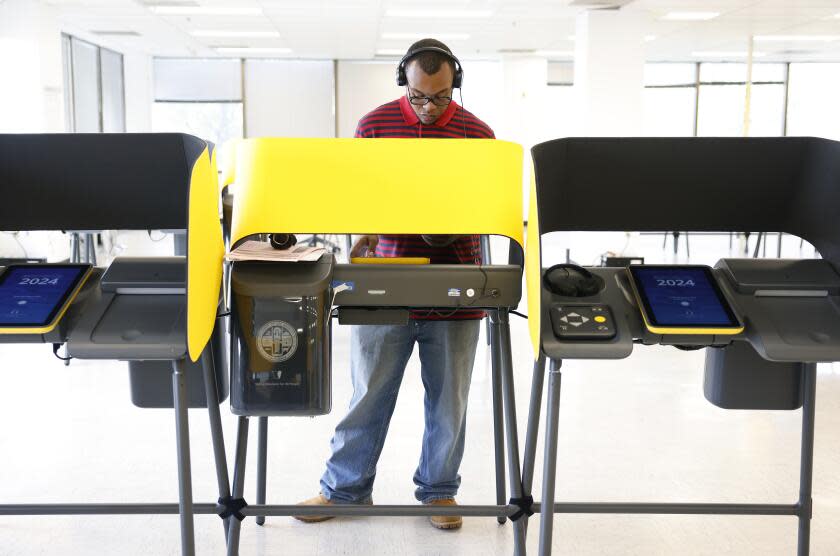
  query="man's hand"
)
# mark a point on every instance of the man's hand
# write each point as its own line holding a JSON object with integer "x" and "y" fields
{"x": 365, "y": 246}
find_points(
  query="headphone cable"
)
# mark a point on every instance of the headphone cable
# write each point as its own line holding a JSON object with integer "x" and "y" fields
{"x": 463, "y": 114}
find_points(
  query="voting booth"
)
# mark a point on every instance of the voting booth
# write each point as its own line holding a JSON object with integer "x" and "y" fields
{"x": 764, "y": 324}
{"x": 282, "y": 311}
{"x": 154, "y": 310}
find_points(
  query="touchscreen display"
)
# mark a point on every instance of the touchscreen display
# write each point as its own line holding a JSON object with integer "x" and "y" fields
{"x": 31, "y": 295}
{"x": 682, "y": 296}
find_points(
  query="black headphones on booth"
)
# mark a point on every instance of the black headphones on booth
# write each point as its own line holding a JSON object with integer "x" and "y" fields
{"x": 571, "y": 280}
{"x": 282, "y": 241}
{"x": 457, "y": 80}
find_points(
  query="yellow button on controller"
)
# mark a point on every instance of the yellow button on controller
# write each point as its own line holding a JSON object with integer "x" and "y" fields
{"x": 599, "y": 318}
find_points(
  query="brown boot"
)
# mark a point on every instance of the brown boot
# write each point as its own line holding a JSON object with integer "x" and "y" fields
{"x": 319, "y": 500}
{"x": 445, "y": 521}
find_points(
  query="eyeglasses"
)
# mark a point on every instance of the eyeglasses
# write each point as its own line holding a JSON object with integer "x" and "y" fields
{"x": 422, "y": 100}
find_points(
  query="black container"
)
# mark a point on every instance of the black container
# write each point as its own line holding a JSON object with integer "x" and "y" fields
{"x": 736, "y": 377}
{"x": 151, "y": 381}
{"x": 281, "y": 341}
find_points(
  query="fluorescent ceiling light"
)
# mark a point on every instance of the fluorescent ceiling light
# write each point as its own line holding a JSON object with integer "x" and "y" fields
{"x": 726, "y": 54}
{"x": 390, "y": 52}
{"x": 690, "y": 16}
{"x": 114, "y": 33}
{"x": 415, "y": 36}
{"x": 205, "y": 10}
{"x": 648, "y": 38}
{"x": 252, "y": 50}
{"x": 796, "y": 38}
{"x": 555, "y": 53}
{"x": 237, "y": 34}
{"x": 438, "y": 14}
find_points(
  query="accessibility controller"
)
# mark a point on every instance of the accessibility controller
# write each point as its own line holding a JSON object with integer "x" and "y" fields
{"x": 571, "y": 321}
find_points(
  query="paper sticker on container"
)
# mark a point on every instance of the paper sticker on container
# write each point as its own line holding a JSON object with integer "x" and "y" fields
{"x": 349, "y": 286}
{"x": 277, "y": 341}
{"x": 454, "y": 292}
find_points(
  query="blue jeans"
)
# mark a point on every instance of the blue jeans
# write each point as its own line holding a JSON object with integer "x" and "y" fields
{"x": 379, "y": 355}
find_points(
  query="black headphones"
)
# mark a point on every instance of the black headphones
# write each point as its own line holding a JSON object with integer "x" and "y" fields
{"x": 282, "y": 241}
{"x": 571, "y": 280}
{"x": 402, "y": 80}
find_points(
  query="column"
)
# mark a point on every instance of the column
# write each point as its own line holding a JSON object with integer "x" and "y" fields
{"x": 609, "y": 72}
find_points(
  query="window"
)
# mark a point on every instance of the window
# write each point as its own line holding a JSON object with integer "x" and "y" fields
{"x": 669, "y": 100}
{"x": 722, "y": 100}
{"x": 201, "y": 97}
{"x": 213, "y": 121}
{"x": 94, "y": 85}
{"x": 813, "y": 108}
{"x": 709, "y": 99}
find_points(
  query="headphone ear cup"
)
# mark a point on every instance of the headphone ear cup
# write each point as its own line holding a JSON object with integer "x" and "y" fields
{"x": 566, "y": 288}
{"x": 402, "y": 80}
{"x": 589, "y": 286}
{"x": 579, "y": 283}
{"x": 458, "y": 79}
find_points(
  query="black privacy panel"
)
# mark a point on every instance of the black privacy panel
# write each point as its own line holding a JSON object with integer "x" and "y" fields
{"x": 96, "y": 181}
{"x": 785, "y": 184}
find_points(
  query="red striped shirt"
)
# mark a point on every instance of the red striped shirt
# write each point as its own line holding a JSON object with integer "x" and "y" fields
{"x": 397, "y": 119}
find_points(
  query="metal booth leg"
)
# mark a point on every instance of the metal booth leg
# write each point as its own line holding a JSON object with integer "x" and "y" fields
{"x": 501, "y": 338}
{"x": 262, "y": 461}
{"x": 182, "y": 435}
{"x": 90, "y": 248}
{"x": 498, "y": 409}
{"x": 211, "y": 393}
{"x": 529, "y": 459}
{"x": 806, "y": 465}
{"x": 75, "y": 249}
{"x": 758, "y": 244}
{"x": 552, "y": 418}
{"x": 498, "y": 421}
{"x": 238, "y": 482}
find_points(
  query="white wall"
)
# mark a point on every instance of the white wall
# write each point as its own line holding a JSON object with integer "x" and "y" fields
{"x": 288, "y": 98}
{"x": 482, "y": 93}
{"x": 30, "y": 58}
{"x": 362, "y": 86}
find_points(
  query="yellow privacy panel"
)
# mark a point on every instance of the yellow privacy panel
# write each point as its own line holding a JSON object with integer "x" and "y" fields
{"x": 533, "y": 269}
{"x": 205, "y": 250}
{"x": 227, "y": 154}
{"x": 390, "y": 186}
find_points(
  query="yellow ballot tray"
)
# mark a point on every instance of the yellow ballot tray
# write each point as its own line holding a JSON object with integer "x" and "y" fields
{"x": 390, "y": 260}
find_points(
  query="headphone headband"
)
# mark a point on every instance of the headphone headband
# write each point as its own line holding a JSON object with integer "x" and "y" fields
{"x": 457, "y": 79}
